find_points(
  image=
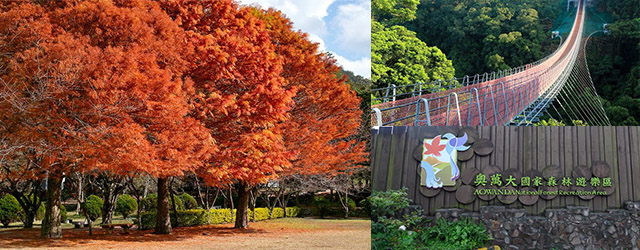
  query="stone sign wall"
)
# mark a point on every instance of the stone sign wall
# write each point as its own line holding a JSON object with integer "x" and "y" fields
{"x": 566, "y": 228}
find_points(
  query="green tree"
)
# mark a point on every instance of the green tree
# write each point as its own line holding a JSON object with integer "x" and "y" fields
{"x": 614, "y": 62}
{"x": 400, "y": 58}
{"x": 92, "y": 207}
{"x": 126, "y": 205}
{"x": 394, "y": 11}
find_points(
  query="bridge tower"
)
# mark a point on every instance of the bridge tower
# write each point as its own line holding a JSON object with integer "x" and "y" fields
{"x": 575, "y": 3}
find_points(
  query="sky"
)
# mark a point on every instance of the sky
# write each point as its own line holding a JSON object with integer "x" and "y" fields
{"x": 341, "y": 27}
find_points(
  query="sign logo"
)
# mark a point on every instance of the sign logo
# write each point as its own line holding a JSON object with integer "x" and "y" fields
{"x": 440, "y": 160}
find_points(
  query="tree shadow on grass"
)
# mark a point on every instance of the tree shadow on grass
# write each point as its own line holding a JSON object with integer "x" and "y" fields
{"x": 20, "y": 238}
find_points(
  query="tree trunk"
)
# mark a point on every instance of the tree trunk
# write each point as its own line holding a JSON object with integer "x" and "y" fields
{"x": 86, "y": 215}
{"x": 29, "y": 205}
{"x": 173, "y": 203}
{"x": 215, "y": 198}
{"x": 29, "y": 216}
{"x": 51, "y": 225}
{"x": 242, "y": 213}
{"x": 108, "y": 207}
{"x": 163, "y": 221}
{"x": 231, "y": 201}
{"x": 346, "y": 212}
{"x": 112, "y": 186}
{"x": 283, "y": 202}
{"x": 80, "y": 194}
{"x": 146, "y": 189}
{"x": 138, "y": 215}
{"x": 253, "y": 206}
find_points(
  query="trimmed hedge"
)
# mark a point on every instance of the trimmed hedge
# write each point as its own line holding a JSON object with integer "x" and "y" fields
{"x": 197, "y": 217}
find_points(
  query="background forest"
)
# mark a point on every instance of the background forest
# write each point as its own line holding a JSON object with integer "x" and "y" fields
{"x": 614, "y": 62}
{"x": 427, "y": 40}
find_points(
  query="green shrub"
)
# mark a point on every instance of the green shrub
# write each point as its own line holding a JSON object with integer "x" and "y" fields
{"x": 179, "y": 204}
{"x": 350, "y": 204}
{"x": 40, "y": 212}
{"x": 462, "y": 234}
{"x": 196, "y": 217}
{"x": 188, "y": 201}
{"x": 219, "y": 216}
{"x": 150, "y": 203}
{"x": 63, "y": 213}
{"x": 392, "y": 230}
{"x": 9, "y": 210}
{"x": 148, "y": 220}
{"x": 192, "y": 217}
{"x": 260, "y": 213}
{"x": 322, "y": 205}
{"x": 126, "y": 205}
{"x": 293, "y": 211}
{"x": 366, "y": 206}
{"x": 92, "y": 207}
{"x": 392, "y": 236}
{"x": 389, "y": 203}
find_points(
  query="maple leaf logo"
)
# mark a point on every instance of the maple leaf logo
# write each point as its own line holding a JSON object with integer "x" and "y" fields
{"x": 434, "y": 148}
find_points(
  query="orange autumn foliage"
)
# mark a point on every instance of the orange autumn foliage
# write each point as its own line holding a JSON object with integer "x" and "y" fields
{"x": 99, "y": 85}
{"x": 240, "y": 93}
{"x": 326, "y": 114}
{"x": 134, "y": 86}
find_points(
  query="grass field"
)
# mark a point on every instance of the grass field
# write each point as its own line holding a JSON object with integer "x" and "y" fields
{"x": 287, "y": 233}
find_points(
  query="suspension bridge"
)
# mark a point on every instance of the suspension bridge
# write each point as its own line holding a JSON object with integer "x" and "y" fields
{"x": 514, "y": 97}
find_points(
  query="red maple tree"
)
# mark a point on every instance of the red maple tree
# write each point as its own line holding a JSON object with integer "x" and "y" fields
{"x": 99, "y": 85}
{"x": 326, "y": 116}
{"x": 240, "y": 93}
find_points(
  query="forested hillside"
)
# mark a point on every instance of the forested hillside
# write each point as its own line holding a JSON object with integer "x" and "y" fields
{"x": 614, "y": 62}
{"x": 397, "y": 55}
{"x": 488, "y": 35}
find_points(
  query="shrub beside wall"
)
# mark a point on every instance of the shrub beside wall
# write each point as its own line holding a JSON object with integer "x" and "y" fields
{"x": 197, "y": 217}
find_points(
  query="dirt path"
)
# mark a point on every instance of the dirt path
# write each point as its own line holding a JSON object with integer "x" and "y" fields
{"x": 290, "y": 233}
